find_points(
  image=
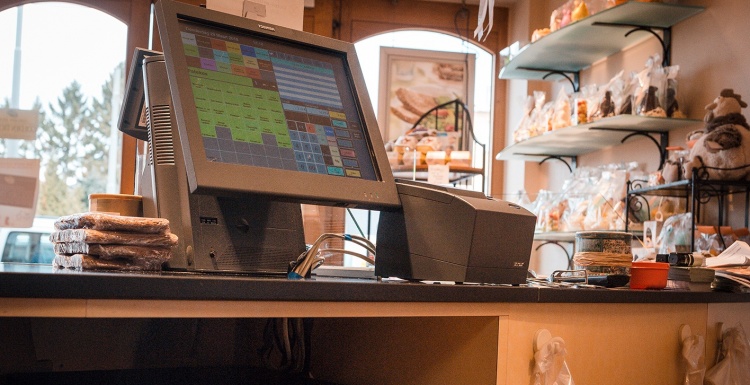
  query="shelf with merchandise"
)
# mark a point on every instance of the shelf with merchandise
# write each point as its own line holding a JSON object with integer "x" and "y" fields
{"x": 577, "y": 46}
{"x": 562, "y": 54}
{"x": 569, "y": 142}
{"x": 696, "y": 193}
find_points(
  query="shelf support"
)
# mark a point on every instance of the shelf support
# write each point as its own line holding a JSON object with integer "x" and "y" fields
{"x": 560, "y": 158}
{"x": 661, "y": 144}
{"x": 570, "y": 166}
{"x": 574, "y": 81}
{"x": 665, "y": 39}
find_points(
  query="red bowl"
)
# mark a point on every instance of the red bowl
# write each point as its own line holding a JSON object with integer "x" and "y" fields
{"x": 648, "y": 275}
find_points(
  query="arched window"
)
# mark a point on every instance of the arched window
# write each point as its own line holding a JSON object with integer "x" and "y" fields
{"x": 64, "y": 64}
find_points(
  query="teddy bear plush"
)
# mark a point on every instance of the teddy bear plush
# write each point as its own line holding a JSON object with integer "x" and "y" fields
{"x": 722, "y": 151}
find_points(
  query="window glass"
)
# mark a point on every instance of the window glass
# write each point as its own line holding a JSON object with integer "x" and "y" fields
{"x": 66, "y": 63}
{"x": 368, "y": 51}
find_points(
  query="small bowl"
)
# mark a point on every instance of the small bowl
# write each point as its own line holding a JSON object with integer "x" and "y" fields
{"x": 648, "y": 275}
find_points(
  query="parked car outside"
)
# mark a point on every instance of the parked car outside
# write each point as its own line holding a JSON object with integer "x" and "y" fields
{"x": 28, "y": 245}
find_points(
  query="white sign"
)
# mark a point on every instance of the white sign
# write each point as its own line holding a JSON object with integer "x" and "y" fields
{"x": 438, "y": 174}
{"x": 19, "y": 183}
{"x": 286, "y": 13}
{"x": 18, "y": 124}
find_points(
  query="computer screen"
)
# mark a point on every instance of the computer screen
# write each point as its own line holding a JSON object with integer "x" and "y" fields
{"x": 267, "y": 110}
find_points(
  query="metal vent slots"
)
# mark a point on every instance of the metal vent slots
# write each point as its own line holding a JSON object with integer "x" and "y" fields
{"x": 160, "y": 135}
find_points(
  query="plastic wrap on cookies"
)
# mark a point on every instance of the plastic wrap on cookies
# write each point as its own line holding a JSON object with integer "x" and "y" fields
{"x": 91, "y": 262}
{"x": 113, "y": 251}
{"x": 112, "y": 237}
{"x": 96, "y": 241}
{"x": 109, "y": 222}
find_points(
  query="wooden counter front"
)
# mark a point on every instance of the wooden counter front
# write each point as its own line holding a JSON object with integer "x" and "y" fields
{"x": 365, "y": 331}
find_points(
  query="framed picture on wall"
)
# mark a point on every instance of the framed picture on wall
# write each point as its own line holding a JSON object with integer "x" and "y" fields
{"x": 414, "y": 81}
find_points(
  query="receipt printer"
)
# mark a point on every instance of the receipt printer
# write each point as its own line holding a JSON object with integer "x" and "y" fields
{"x": 447, "y": 234}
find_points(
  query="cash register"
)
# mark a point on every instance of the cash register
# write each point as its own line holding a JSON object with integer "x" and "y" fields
{"x": 245, "y": 121}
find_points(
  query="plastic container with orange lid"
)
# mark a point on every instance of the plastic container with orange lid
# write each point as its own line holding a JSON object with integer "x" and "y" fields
{"x": 649, "y": 275}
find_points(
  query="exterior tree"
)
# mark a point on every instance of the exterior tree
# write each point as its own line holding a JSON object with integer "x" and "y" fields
{"x": 73, "y": 143}
{"x": 99, "y": 137}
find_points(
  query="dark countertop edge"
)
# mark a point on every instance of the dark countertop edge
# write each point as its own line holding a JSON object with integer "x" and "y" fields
{"x": 190, "y": 286}
{"x": 555, "y": 295}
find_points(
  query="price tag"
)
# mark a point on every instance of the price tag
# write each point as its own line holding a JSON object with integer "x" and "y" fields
{"x": 438, "y": 174}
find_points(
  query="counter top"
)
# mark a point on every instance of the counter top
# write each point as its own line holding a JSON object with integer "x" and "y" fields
{"x": 44, "y": 281}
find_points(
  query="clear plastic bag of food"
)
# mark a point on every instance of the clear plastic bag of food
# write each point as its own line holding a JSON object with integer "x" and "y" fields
{"x": 112, "y": 237}
{"x": 583, "y": 104}
{"x": 713, "y": 239}
{"x": 622, "y": 94}
{"x": 111, "y": 222}
{"x": 537, "y": 123}
{"x": 603, "y": 104}
{"x": 522, "y": 131}
{"x": 607, "y": 208}
{"x": 562, "y": 112}
{"x": 650, "y": 97}
{"x": 672, "y": 98}
{"x": 104, "y": 251}
{"x": 90, "y": 262}
{"x": 675, "y": 234}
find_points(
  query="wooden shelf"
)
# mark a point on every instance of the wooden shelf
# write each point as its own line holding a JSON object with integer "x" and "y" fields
{"x": 580, "y": 44}
{"x": 581, "y": 139}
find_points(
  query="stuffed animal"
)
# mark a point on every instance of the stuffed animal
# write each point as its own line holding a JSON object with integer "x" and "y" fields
{"x": 722, "y": 152}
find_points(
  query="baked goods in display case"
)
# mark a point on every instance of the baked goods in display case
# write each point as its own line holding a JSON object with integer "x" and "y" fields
{"x": 423, "y": 147}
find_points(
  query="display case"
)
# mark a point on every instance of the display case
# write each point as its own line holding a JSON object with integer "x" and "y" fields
{"x": 417, "y": 169}
{"x": 696, "y": 193}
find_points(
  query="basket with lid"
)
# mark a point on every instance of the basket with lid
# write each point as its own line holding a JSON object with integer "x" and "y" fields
{"x": 603, "y": 252}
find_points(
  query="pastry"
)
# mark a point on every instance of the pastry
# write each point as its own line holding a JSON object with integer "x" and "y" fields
{"x": 415, "y": 102}
{"x": 447, "y": 71}
{"x": 405, "y": 115}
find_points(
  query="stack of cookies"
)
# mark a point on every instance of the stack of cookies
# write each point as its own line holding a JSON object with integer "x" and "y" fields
{"x": 100, "y": 241}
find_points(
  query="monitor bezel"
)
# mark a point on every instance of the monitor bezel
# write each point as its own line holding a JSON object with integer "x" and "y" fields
{"x": 225, "y": 178}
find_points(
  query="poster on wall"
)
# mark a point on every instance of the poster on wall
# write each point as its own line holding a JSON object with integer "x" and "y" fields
{"x": 412, "y": 82}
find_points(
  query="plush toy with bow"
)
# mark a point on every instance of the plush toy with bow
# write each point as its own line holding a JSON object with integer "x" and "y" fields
{"x": 722, "y": 152}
